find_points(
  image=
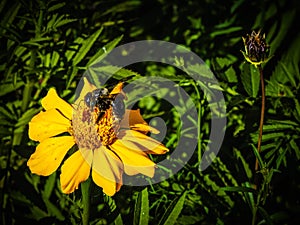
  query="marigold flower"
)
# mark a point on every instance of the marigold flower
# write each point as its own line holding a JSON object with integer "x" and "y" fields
{"x": 256, "y": 48}
{"x": 106, "y": 148}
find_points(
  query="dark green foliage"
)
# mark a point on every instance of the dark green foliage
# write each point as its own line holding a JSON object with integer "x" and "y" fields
{"x": 52, "y": 43}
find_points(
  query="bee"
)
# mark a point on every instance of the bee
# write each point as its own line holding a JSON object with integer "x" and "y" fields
{"x": 100, "y": 100}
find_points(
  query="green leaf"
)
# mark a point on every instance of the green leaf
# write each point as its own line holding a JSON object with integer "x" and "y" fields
{"x": 49, "y": 185}
{"x": 111, "y": 71}
{"x": 249, "y": 197}
{"x": 171, "y": 215}
{"x": 117, "y": 221}
{"x": 295, "y": 148}
{"x": 244, "y": 162}
{"x": 231, "y": 75}
{"x": 288, "y": 73}
{"x": 26, "y": 117}
{"x": 141, "y": 209}
{"x": 56, "y": 6}
{"x": 257, "y": 155}
{"x": 9, "y": 87}
{"x": 238, "y": 189}
{"x": 280, "y": 158}
{"x": 250, "y": 79}
{"x": 52, "y": 209}
{"x": 225, "y": 31}
{"x": 104, "y": 51}
{"x": 9, "y": 16}
{"x": 72, "y": 73}
{"x": 86, "y": 46}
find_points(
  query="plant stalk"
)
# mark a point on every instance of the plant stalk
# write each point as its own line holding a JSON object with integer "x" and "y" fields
{"x": 86, "y": 201}
{"x": 262, "y": 113}
{"x": 261, "y": 124}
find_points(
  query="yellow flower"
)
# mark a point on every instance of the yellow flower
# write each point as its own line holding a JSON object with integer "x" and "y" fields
{"x": 106, "y": 148}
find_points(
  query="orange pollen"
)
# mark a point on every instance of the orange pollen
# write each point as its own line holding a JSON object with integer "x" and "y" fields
{"x": 91, "y": 135}
{"x": 108, "y": 128}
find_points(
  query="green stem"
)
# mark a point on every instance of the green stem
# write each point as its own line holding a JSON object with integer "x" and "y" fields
{"x": 199, "y": 121}
{"x": 86, "y": 200}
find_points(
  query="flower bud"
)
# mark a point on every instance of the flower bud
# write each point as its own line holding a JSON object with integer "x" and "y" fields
{"x": 256, "y": 48}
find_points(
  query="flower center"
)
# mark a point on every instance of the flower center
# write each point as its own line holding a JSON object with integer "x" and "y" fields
{"x": 92, "y": 131}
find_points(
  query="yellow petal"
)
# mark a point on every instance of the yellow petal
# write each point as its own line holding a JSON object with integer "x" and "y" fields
{"x": 49, "y": 155}
{"x": 131, "y": 118}
{"x": 134, "y": 120}
{"x": 134, "y": 160}
{"x": 48, "y": 124}
{"x": 75, "y": 170}
{"x": 86, "y": 88}
{"x": 117, "y": 89}
{"x": 136, "y": 140}
{"x": 144, "y": 128}
{"x": 107, "y": 171}
{"x": 53, "y": 101}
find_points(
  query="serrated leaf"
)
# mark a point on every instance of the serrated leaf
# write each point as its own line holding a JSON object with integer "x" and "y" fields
{"x": 295, "y": 148}
{"x": 250, "y": 79}
{"x": 173, "y": 211}
{"x": 288, "y": 73}
{"x": 267, "y": 136}
{"x": 276, "y": 127}
{"x": 53, "y": 210}
{"x": 141, "y": 209}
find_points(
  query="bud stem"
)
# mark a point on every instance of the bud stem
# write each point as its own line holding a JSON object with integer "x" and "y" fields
{"x": 262, "y": 113}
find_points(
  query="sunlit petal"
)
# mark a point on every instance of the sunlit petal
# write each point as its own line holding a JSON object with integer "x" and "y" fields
{"x": 49, "y": 155}
{"x": 144, "y": 128}
{"x": 134, "y": 160}
{"x": 107, "y": 170}
{"x": 117, "y": 89}
{"x": 53, "y": 101}
{"x": 134, "y": 120}
{"x": 75, "y": 170}
{"x": 132, "y": 117}
{"x": 48, "y": 124}
{"x": 136, "y": 140}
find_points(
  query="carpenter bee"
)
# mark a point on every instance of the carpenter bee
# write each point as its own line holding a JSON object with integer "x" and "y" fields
{"x": 100, "y": 100}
